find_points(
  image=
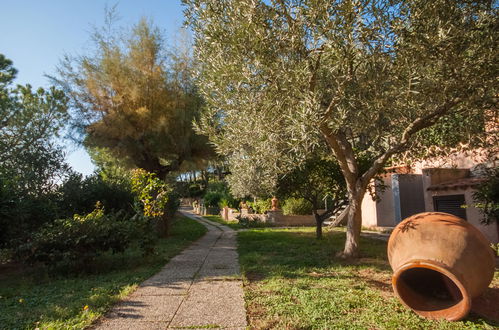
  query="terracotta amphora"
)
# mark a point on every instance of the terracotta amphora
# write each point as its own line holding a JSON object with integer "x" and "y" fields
{"x": 440, "y": 263}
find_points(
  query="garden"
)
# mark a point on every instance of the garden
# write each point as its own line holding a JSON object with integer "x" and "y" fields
{"x": 297, "y": 124}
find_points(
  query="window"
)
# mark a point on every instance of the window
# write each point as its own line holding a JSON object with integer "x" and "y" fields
{"x": 450, "y": 204}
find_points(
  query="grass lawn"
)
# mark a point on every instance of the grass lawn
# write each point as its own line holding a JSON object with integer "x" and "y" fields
{"x": 31, "y": 300}
{"x": 293, "y": 281}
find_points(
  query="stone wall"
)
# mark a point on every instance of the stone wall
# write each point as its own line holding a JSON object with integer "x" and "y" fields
{"x": 280, "y": 219}
{"x": 277, "y": 218}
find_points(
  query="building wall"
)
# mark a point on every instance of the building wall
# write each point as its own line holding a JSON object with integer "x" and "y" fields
{"x": 369, "y": 214}
{"x": 457, "y": 159}
{"x": 473, "y": 214}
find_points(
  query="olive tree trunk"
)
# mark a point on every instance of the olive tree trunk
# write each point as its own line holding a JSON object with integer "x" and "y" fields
{"x": 354, "y": 224}
{"x": 318, "y": 225}
{"x": 163, "y": 225}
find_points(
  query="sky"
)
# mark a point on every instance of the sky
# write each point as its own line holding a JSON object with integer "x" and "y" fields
{"x": 35, "y": 34}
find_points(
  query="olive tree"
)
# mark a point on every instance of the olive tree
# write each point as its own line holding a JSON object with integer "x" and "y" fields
{"x": 316, "y": 179}
{"x": 366, "y": 76}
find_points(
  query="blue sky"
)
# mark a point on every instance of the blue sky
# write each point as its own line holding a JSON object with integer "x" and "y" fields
{"x": 35, "y": 34}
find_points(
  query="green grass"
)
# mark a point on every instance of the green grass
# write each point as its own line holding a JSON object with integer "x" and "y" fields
{"x": 32, "y": 299}
{"x": 293, "y": 281}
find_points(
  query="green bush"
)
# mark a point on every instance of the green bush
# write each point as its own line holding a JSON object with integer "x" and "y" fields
{"x": 218, "y": 195}
{"x": 79, "y": 194}
{"x": 229, "y": 201}
{"x": 486, "y": 197}
{"x": 212, "y": 198}
{"x": 172, "y": 205}
{"x": 75, "y": 242}
{"x": 297, "y": 206}
{"x": 22, "y": 213}
{"x": 260, "y": 206}
{"x": 194, "y": 190}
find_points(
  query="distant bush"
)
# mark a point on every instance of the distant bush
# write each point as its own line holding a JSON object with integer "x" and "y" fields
{"x": 297, "y": 206}
{"x": 260, "y": 206}
{"x": 218, "y": 195}
{"x": 172, "y": 205}
{"x": 22, "y": 213}
{"x": 79, "y": 194}
{"x": 212, "y": 198}
{"x": 195, "y": 190}
{"x": 188, "y": 190}
{"x": 75, "y": 242}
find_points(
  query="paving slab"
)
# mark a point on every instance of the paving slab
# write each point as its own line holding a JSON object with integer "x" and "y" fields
{"x": 221, "y": 301}
{"x": 135, "y": 325}
{"x": 147, "y": 308}
{"x": 199, "y": 288}
{"x": 160, "y": 286}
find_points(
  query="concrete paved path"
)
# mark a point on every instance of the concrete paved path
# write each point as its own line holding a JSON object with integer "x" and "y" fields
{"x": 199, "y": 288}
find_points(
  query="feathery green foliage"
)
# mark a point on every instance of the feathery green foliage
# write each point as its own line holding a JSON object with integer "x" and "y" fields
{"x": 136, "y": 98}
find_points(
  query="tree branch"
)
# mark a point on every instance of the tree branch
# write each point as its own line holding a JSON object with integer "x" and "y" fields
{"x": 344, "y": 154}
{"x": 417, "y": 125}
{"x": 290, "y": 19}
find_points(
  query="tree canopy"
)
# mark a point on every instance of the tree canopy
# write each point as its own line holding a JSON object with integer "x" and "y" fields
{"x": 368, "y": 77}
{"x": 31, "y": 160}
{"x": 30, "y": 123}
{"x": 136, "y": 98}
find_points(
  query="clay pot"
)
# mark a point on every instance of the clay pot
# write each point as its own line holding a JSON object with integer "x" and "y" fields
{"x": 440, "y": 264}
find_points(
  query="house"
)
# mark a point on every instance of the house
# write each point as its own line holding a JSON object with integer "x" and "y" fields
{"x": 443, "y": 184}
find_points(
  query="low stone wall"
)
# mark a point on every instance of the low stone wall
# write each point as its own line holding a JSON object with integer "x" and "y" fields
{"x": 229, "y": 214}
{"x": 275, "y": 217}
{"x": 294, "y": 220}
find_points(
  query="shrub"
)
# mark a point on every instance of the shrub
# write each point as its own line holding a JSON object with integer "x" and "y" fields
{"x": 172, "y": 204}
{"x": 487, "y": 197}
{"x": 79, "y": 194}
{"x": 195, "y": 190}
{"x": 213, "y": 198}
{"x": 75, "y": 242}
{"x": 260, "y": 206}
{"x": 155, "y": 199}
{"x": 218, "y": 195}
{"x": 21, "y": 213}
{"x": 297, "y": 206}
{"x": 151, "y": 191}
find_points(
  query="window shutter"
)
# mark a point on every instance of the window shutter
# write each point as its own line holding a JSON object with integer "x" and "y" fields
{"x": 450, "y": 204}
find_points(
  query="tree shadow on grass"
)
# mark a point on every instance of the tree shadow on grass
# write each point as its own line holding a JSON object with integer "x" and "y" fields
{"x": 296, "y": 254}
{"x": 288, "y": 251}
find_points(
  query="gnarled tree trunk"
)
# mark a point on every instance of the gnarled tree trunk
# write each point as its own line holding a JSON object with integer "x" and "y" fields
{"x": 354, "y": 224}
{"x": 318, "y": 224}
